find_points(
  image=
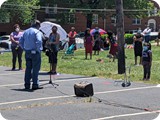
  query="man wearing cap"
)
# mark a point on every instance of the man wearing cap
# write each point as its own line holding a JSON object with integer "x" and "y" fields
{"x": 31, "y": 42}
{"x": 146, "y": 33}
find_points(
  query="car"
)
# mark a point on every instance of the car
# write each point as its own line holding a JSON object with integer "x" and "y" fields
{"x": 80, "y": 35}
{"x": 153, "y": 35}
{"x": 5, "y": 42}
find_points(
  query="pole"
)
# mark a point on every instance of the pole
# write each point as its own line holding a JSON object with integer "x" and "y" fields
{"x": 120, "y": 36}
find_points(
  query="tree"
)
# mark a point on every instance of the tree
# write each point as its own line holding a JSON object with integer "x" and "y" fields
{"x": 19, "y": 10}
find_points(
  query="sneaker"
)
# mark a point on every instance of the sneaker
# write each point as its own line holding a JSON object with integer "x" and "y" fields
{"x": 13, "y": 69}
{"x": 54, "y": 73}
{"x": 20, "y": 69}
{"x": 36, "y": 88}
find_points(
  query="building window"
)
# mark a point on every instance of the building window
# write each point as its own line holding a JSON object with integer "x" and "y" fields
{"x": 95, "y": 19}
{"x": 113, "y": 19}
{"x": 136, "y": 21}
{"x": 71, "y": 18}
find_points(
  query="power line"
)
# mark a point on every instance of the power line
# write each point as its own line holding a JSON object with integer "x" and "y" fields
{"x": 76, "y": 9}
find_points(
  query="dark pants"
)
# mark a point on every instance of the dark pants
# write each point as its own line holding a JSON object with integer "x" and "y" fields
{"x": 16, "y": 51}
{"x": 53, "y": 57}
{"x": 33, "y": 64}
{"x": 147, "y": 38}
{"x": 147, "y": 70}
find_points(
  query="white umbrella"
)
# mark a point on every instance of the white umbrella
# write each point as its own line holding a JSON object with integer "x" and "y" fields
{"x": 157, "y": 1}
{"x": 46, "y": 27}
{"x": 1, "y": 2}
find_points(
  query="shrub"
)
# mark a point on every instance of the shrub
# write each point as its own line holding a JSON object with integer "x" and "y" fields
{"x": 128, "y": 38}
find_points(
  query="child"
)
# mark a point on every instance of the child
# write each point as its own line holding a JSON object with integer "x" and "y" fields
{"x": 147, "y": 60}
{"x": 88, "y": 43}
{"x": 97, "y": 39}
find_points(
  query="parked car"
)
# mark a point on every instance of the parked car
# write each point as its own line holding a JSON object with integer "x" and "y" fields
{"x": 5, "y": 42}
{"x": 153, "y": 35}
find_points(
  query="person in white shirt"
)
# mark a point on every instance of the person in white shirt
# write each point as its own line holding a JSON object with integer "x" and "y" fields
{"x": 146, "y": 34}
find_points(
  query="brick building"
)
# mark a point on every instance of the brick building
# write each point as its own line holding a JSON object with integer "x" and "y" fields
{"x": 78, "y": 20}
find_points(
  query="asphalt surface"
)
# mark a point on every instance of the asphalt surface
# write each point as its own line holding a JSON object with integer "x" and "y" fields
{"x": 110, "y": 101}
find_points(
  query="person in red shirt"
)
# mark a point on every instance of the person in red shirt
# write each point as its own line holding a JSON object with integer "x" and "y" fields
{"x": 72, "y": 34}
{"x": 88, "y": 43}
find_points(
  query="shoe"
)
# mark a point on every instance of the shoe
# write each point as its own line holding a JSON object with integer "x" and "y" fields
{"x": 26, "y": 88}
{"x": 144, "y": 79}
{"x": 36, "y": 88}
{"x": 54, "y": 73}
{"x": 50, "y": 72}
{"x": 20, "y": 69}
{"x": 13, "y": 69}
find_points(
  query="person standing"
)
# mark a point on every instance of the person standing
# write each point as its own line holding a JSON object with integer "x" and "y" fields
{"x": 137, "y": 41}
{"x": 146, "y": 33}
{"x": 97, "y": 43}
{"x": 16, "y": 49}
{"x": 53, "y": 43}
{"x": 113, "y": 45}
{"x": 31, "y": 42}
{"x": 88, "y": 43}
{"x": 72, "y": 34}
{"x": 158, "y": 38}
{"x": 147, "y": 61}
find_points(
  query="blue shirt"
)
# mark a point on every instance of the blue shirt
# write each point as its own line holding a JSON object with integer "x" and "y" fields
{"x": 31, "y": 40}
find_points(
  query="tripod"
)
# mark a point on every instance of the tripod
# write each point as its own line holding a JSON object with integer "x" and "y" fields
{"x": 50, "y": 73}
{"x": 50, "y": 80}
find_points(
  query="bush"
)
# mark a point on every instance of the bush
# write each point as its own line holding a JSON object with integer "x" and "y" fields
{"x": 128, "y": 38}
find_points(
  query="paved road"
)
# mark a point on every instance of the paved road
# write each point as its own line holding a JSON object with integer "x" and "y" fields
{"x": 110, "y": 101}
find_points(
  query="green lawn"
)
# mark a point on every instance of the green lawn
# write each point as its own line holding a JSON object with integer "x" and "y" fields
{"x": 108, "y": 69}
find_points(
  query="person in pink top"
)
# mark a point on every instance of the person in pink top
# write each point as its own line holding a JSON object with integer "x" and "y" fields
{"x": 16, "y": 49}
{"x": 72, "y": 34}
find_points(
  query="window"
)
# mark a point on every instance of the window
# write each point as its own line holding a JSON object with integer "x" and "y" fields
{"x": 113, "y": 19}
{"x": 136, "y": 21}
{"x": 71, "y": 18}
{"x": 95, "y": 19}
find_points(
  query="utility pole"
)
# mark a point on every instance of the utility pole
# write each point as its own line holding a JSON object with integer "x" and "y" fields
{"x": 104, "y": 19}
{"x": 120, "y": 36}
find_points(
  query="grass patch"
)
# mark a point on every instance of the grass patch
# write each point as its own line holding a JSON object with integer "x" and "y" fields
{"x": 78, "y": 65}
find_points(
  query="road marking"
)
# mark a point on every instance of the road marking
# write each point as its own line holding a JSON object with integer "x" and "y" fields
{"x": 158, "y": 117}
{"x": 1, "y": 117}
{"x": 158, "y": 85}
{"x": 56, "y": 97}
{"x": 77, "y": 79}
{"x": 126, "y": 115}
{"x": 18, "y": 73}
{"x": 36, "y": 99}
{"x": 123, "y": 90}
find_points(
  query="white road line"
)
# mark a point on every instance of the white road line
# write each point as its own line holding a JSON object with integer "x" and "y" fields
{"x": 36, "y": 99}
{"x": 76, "y": 79}
{"x": 158, "y": 85}
{"x": 56, "y": 97}
{"x": 130, "y": 89}
{"x": 126, "y": 115}
{"x": 158, "y": 117}
{"x": 18, "y": 73}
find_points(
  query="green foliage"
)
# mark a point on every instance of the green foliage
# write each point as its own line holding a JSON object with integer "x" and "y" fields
{"x": 20, "y": 10}
{"x": 128, "y": 38}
